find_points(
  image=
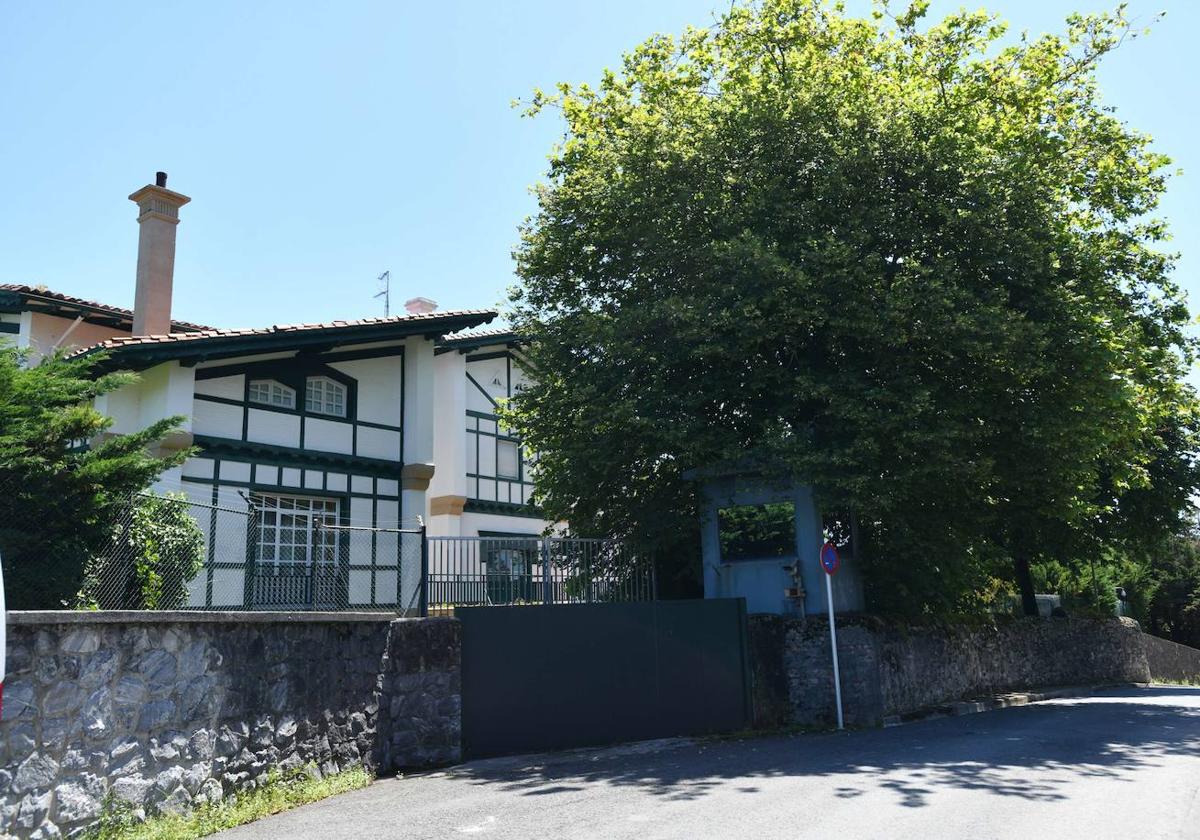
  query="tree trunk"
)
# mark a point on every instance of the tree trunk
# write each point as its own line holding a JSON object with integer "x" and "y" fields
{"x": 1025, "y": 583}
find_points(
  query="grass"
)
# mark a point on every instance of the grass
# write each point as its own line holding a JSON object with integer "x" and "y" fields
{"x": 1193, "y": 682}
{"x": 279, "y": 793}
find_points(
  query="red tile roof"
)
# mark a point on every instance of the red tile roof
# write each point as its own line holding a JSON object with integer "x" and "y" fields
{"x": 282, "y": 329}
{"x": 41, "y": 292}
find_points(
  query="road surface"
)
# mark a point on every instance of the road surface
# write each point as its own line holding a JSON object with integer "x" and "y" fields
{"x": 1120, "y": 764}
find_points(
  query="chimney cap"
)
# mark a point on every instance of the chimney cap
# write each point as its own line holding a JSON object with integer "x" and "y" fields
{"x": 160, "y": 179}
{"x": 420, "y": 306}
{"x": 159, "y": 192}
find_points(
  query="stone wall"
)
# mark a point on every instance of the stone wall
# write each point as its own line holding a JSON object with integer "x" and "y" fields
{"x": 806, "y": 657}
{"x": 421, "y": 721}
{"x": 887, "y": 670}
{"x": 165, "y": 710}
{"x": 1170, "y": 662}
{"x": 924, "y": 668}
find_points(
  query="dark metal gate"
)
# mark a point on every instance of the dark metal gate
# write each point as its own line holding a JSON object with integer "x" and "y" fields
{"x": 553, "y": 677}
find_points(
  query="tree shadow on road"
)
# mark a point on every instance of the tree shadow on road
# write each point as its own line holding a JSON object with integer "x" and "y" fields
{"x": 1033, "y": 753}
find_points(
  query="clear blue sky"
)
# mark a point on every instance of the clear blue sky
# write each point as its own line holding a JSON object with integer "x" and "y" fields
{"x": 325, "y": 142}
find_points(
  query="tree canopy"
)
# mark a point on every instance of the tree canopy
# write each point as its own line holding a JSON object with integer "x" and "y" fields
{"x": 914, "y": 263}
{"x": 62, "y": 481}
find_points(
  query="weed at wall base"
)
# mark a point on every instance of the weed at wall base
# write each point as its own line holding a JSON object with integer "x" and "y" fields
{"x": 280, "y": 792}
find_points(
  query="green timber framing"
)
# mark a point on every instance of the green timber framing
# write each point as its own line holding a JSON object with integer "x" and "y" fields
{"x": 294, "y": 372}
{"x": 270, "y": 469}
{"x": 482, "y": 425}
{"x": 318, "y": 473}
{"x": 340, "y": 478}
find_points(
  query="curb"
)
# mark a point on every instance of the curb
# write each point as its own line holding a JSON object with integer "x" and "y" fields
{"x": 999, "y": 701}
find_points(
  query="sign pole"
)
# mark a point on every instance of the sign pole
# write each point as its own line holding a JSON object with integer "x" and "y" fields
{"x": 829, "y": 565}
{"x": 837, "y": 677}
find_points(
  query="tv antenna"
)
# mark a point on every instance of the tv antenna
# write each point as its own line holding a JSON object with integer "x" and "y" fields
{"x": 385, "y": 292}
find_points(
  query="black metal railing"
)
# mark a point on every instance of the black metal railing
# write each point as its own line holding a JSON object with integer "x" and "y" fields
{"x": 507, "y": 571}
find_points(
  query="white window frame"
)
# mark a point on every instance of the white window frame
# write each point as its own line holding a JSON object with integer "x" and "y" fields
{"x": 515, "y": 447}
{"x": 277, "y": 394}
{"x": 325, "y": 388}
{"x": 288, "y": 533}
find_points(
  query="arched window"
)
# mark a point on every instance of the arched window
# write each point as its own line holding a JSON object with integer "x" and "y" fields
{"x": 324, "y": 396}
{"x": 270, "y": 392}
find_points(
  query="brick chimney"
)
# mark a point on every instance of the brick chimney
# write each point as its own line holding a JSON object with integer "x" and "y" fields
{"x": 158, "y": 214}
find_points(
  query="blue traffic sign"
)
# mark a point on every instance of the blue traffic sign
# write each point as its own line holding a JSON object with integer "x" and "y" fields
{"x": 829, "y": 558}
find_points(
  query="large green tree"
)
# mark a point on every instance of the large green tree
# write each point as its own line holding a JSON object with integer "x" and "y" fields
{"x": 63, "y": 483}
{"x": 913, "y": 263}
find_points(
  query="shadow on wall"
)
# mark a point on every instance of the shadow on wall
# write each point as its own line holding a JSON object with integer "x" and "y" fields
{"x": 1105, "y": 736}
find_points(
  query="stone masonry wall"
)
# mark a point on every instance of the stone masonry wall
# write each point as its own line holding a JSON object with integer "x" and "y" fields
{"x": 887, "y": 670}
{"x": 165, "y": 710}
{"x": 421, "y": 713}
{"x": 930, "y": 666}
{"x": 1171, "y": 662}
{"x": 808, "y": 672}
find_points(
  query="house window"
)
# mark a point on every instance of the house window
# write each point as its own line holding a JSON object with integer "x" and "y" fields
{"x": 508, "y": 568}
{"x": 290, "y": 532}
{"x": 324, "y": 396}
{"x": 270, "y": 392}
{"x": 508, "y": 459}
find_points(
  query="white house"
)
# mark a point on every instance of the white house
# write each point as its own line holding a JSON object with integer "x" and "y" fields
{"x": 484, "y": 481}
{"x": 366, "y": 423}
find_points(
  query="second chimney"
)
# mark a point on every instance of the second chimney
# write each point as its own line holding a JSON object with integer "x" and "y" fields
{"x": 420, "y": 305}
{"x": 158, "y": 214}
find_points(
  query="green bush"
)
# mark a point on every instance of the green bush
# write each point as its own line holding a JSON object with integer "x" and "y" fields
{"x": 157, "y": 549}
{"x": 59, "y": 499}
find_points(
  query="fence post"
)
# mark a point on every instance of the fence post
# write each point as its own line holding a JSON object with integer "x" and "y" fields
{"x": 250, "y": 577}
{"x": 653, "y": 577}
{"x": 547, "y": 584}
{"x": 588, "y": 583}
{"x": 312, "y": 578}
{"x": 423, "y": 598}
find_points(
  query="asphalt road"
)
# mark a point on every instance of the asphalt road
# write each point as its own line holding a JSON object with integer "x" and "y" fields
{"x": 1121, "y": 764}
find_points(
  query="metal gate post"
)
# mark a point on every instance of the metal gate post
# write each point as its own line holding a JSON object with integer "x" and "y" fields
{"x": 250, "y": 575}
{"x": 587, "y": 573}
{"x": 312, "y": 579}
{"x": 423, "y": 599}
{"x": 547, "y": 586}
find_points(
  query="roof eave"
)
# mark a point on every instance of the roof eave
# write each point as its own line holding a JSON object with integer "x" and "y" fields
{"x": 467, "y": 343}
{"x": 13, "y": 300}
{"x": 142, "y": 356}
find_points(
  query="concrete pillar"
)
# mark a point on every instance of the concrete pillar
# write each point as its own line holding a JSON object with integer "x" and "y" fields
{"x": 448, "y": 490}
{"x": 418, "y": 469}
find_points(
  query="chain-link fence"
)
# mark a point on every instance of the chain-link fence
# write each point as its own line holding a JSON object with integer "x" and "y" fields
{"x": 172, "y": 552}
{"x": 272, "y": 553}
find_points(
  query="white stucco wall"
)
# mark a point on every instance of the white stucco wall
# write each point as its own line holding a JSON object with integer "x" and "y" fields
{"x": 162, "y": 391}
{"x": 46, "y": 330}
{"x": 379, "y": 396}
{"x": 473, "y": 523}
